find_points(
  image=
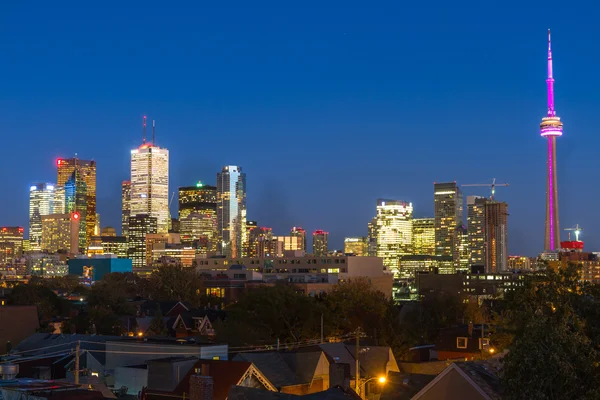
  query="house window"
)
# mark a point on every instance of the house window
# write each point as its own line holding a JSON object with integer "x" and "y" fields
{"x": 484, "y": 343}
{"x": 217, "y": 292}
{"x": 461, "y": 342}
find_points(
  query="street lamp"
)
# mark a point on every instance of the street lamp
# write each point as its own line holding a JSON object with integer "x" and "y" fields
{"x": 381, "y": 379}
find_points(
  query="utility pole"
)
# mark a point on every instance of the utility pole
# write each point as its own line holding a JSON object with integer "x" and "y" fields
{"x": 77, "y": 349}
{"x": 322, "y": 328}
{"x": 357, "y": 390}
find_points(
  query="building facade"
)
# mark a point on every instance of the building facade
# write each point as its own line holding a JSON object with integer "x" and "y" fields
{"x": 496, "y": 236}
{"x": 76, "y": 202}
{"x": 86, "y": 171}
{"x": 41, "y": 202}
{"x": 320, "y": 243}
{"x": 448, "y": 214}
{"x": 394, "y": 232}
{"x": 125, "y": 207}
{"x": 150, "y": 184}
{"x": 140, "y": 225}
{"x": 475, "y": 226}
{"x": 231, "y": 210}
{"x": 61, "y": 233}
{"x": 11, "y": 240}
{"x": 358, "y": 246}
{"x": 300, "y": 233}
{"x": 423, "y": 236}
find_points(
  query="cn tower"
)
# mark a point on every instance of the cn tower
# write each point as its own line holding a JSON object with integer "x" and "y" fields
{"x": 551, "y": 128}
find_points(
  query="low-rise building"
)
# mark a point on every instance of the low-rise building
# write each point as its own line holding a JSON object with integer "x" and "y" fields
{"x": 94, "y": 268}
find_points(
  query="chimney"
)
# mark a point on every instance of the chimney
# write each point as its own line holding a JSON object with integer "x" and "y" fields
{"x": 201, "y": 385}
{"x": 470, "y": 329}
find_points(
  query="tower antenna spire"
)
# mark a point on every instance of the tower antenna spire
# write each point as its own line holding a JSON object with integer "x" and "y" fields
{"x": 550, "y": 80}
{"x": 153, "y": 131}
{"x": 144, "y": 131}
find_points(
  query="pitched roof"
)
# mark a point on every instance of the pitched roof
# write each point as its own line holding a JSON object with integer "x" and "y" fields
{"x": 225, "y": 374}
{"x": 150, "y": 306}
{"x": 373, "y": 364}
{"x": 474, "y": 374}
{"x": 273, "y": 366}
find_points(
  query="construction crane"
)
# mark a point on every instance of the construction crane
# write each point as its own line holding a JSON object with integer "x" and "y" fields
{"x": 577, "y": 230}
{"x": 491, "y": 185}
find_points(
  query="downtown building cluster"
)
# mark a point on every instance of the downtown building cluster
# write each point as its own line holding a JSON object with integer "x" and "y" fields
{"x": 442, "y": 243}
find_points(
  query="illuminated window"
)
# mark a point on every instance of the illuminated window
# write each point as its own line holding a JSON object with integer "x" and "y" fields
{"x": 217, "y": 292}
{"x": 461, "y": 342}
{"x": 484, "y": 343}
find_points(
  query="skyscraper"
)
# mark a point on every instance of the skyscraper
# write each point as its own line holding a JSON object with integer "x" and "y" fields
{"x": 150, "y": 182}
{"x": 475, "y": 226}
{"x": 423, "y": 236}
{"x": 61, "y": 233}
{"x": 496, "y": 236}
{"x": 125, "y": 207}
{"x": 140, "y": 225}
{"x": 298, "y": 232}
{"x": 198, "y": 214}
{"x": 11, "y": 243}
{"x": 320, "y": 241}
{"x": 260, "y": 242}
{"x": 394, "y": 232}
{"x": 448, "y": 214}
{"x": 76, "y": 202}
{"x": 41, "y": 202}
{"x": 551, "y": 128}
{"x": 87, "y": 172}
{"x": 231, "y": 210}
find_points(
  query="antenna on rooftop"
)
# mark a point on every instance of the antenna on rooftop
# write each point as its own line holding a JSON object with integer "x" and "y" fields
{"x": 144, "y": 131}
{"x": 153, "y": 133}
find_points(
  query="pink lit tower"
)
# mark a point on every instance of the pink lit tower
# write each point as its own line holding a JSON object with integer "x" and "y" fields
{"x": 551, "y": 128}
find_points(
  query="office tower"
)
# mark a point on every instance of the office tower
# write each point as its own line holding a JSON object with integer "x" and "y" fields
{"x": 319, "y": 243}
{"x": 448, "y": 210}
{"x": 198, "y": 213}
{"x": 61, "y": 233}
{"x": 461, "y": 252}
{"x": 150, "y": 182}
{"x": 260, "y": 242}
{"x": 87, "y": 172}
{"x": 423, "y": 236}
{"x": 296, "y": 231}
{"x": 288, "y": 243}
{"x": 551, "y": 128}
{"x": 475, "y": 226}
{"x": 496, "y": 236}
{"x": 359, "y": 246}
{"x": 140, "y": 225}
{"x": 110, "y": 244}
{"x": 41, "y": 202}
{"x": 59, "y": 200}
{"x": 125, "y": 207}
{"x": 372, "y": 237}
{"x": 158, "y": 241}
{"x": 231, "y": 210}
{"x": 199, "y": 228}
{"x": 97, "y": 228}
{"x": 394, "y": 232}
{"x": 11, "y": 243}
{"x": 76, "y": 202}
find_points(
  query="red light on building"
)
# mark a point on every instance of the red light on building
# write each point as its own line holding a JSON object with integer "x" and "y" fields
{"x": 59, "y": 161}
{"x": 75, "y": 215}
{"x": 572, "y": 245}
{"x": 21, "y": 230}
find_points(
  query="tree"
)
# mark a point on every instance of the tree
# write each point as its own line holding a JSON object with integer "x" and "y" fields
{"x": 157, "y": 325}
{"x": 266, "y": 314}
{"x": 48, "y": 304}
{"x": 175, "y": 282}
{"x": 552, "y": 354}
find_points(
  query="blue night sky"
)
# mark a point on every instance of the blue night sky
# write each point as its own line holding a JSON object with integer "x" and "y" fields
{"x": 326, "y": 105}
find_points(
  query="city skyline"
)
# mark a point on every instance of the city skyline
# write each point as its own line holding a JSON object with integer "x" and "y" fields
{"x": 331, "y": 112}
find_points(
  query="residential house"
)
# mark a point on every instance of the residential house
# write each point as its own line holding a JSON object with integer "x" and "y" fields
{"x": 289, "y": 372}
{"x": 463, "y": 380}
{"x": 172, "y": 377}
{"x": 196, "y": 322}
{"x": 464, "y": 342}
